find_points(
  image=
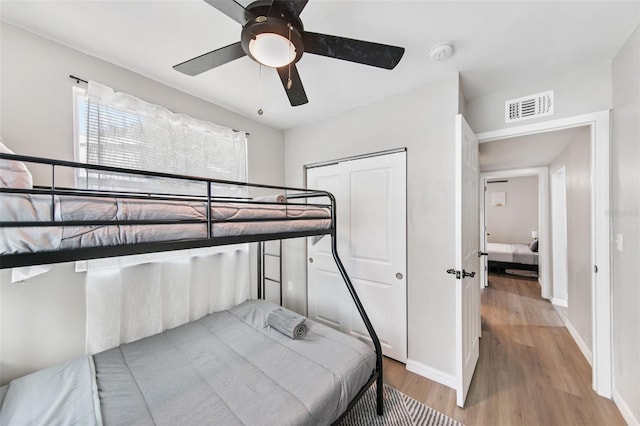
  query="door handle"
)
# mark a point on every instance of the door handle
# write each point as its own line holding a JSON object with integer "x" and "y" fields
{"x": 468, "y": 274}
{"x": 481, "y": 253}
{"x": 454, "y": 272}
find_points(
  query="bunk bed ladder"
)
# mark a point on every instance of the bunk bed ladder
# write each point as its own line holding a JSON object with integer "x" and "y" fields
{"x": 266, "y": 251}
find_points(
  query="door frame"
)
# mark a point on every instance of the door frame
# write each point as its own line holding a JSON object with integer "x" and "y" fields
{"x": 600, "y": 141}
{"x": 544, "y": 277}
{"x": 559, "y": 236}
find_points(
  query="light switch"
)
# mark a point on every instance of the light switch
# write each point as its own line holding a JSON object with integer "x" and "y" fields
{"x": 619, "y": 242}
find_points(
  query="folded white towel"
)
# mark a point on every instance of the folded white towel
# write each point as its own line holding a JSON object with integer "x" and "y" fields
{"x": 288, "y": 323}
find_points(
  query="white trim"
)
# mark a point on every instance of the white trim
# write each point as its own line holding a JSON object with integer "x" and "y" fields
{"x": 355, "y": 157}
{"x": 599, "y": 123}
{"x": 624, "y": 409}
{"x": 543, "y": 126}
{"x": 560, "y": 302}
{"x": 560, "y": 262}
{"x": 431, "y": 373}
{"x": 544, "y": 256}
{"x": 584, "y": 348}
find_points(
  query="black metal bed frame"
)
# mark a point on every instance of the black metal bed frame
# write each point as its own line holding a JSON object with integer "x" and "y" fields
{"x": 291, "y": 193}
{"x": 501, "y": 266}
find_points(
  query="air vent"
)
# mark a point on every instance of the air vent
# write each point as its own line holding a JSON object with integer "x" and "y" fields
{"x": 528, "y": 107}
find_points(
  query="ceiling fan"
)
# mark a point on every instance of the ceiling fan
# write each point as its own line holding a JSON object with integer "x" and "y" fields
{"x": 273, "y": 35}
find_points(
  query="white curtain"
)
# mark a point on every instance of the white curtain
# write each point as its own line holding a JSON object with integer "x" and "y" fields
{"x": 132, "y": 297}
{"x": 138, "y": 300}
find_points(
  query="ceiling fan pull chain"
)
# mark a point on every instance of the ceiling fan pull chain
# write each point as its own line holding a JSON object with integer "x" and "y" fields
{"x": 260, "y": 112}
{"x": 289, "y": 82}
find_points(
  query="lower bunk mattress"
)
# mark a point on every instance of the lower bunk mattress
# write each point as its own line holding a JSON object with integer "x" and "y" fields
{"x": 227, "y": 368}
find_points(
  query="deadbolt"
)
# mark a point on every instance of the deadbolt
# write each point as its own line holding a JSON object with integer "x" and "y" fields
{"x": 399, "y": 276}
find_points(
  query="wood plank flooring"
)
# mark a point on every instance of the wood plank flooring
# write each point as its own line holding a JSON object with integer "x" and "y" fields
{"x": 530, "y": 372}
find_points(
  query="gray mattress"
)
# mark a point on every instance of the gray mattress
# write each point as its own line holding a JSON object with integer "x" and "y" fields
{"x": 227, "y": 368}
{"x": 229, "y": 220}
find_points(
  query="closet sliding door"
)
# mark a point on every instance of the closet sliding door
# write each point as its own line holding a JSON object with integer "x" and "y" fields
{"x": 371, "y": 235}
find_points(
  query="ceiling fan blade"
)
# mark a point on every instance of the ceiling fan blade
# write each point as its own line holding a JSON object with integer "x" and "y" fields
{"x": 296, "y": 93}
{"x": 362, "y": 52}
{"x": 210, "y": 60}
{"x": 233, "y": 10}
{"x": 293, "y": 6}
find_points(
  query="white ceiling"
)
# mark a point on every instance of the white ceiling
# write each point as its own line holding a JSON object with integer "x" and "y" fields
{"x": 522, "y": 152}
{"x": 497, "y": 45}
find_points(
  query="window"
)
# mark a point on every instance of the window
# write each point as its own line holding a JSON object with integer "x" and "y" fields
{"x": 119, "y": 130}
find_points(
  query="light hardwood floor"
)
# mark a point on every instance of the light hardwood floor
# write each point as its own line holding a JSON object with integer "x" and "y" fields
{"x": 530, "y": 372}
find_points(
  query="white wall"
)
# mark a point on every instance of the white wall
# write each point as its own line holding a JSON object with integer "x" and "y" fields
{"x": 513, "y": 222}
{"x": 422, "y": 120}
{"x": 43, "y": 320}
{"x": 576, "y": 159}
{"x": 578, "y": 93}
{"x": 625, "y": 188}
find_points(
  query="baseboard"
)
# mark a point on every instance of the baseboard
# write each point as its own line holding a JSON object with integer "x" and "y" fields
{"x": 560, "y": 302}
{"x": 431, "y": 373}
{"x": 624, "y": 409}
{"x": 578, "y": 339}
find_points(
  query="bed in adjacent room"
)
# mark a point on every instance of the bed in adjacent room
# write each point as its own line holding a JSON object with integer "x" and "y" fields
{"x": 513, "y": 256}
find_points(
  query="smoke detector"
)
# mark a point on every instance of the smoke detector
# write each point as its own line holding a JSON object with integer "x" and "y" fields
{"x": 441, "y": 52}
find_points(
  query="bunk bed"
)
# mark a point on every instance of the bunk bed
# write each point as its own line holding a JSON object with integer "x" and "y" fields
{"x": 225, "y": 368}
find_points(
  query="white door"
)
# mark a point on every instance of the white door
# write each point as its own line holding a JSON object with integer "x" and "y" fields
{"x": 467, "y": 260}
{"x": 371, "y": 235}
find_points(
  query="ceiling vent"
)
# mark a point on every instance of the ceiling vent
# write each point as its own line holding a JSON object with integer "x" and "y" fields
{"x": 527, "y": 107}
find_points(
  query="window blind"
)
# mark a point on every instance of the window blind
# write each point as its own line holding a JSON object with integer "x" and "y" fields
{"x": 119, "y": 130}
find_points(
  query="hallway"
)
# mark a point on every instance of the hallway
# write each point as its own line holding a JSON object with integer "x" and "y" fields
{"x": 530, "y": 372}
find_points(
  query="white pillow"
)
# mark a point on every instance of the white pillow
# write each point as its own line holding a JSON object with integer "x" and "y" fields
{"x": 13, "y": 174}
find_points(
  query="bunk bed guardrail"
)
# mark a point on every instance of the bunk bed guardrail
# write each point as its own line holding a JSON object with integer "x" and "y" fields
{"x": 295, "y": 200}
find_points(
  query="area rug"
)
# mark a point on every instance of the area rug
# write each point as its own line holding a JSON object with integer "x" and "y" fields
{"x": 399, "y": 409}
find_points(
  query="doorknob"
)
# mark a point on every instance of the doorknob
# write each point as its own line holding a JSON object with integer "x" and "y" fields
{"x": 311, "y": 260}
{"x": 399, "y": 276}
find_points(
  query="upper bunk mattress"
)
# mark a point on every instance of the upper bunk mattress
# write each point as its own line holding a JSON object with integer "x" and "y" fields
{"x": 228, "y": 220}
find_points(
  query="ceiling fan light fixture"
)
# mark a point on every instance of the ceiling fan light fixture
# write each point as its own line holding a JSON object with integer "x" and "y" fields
{"x": 272, "y": 50}
{"x": 272, "y": 41}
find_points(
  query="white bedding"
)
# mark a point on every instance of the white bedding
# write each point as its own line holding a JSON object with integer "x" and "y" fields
{"x": 23, "y": 207}
{"x": 512, "y": 253}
